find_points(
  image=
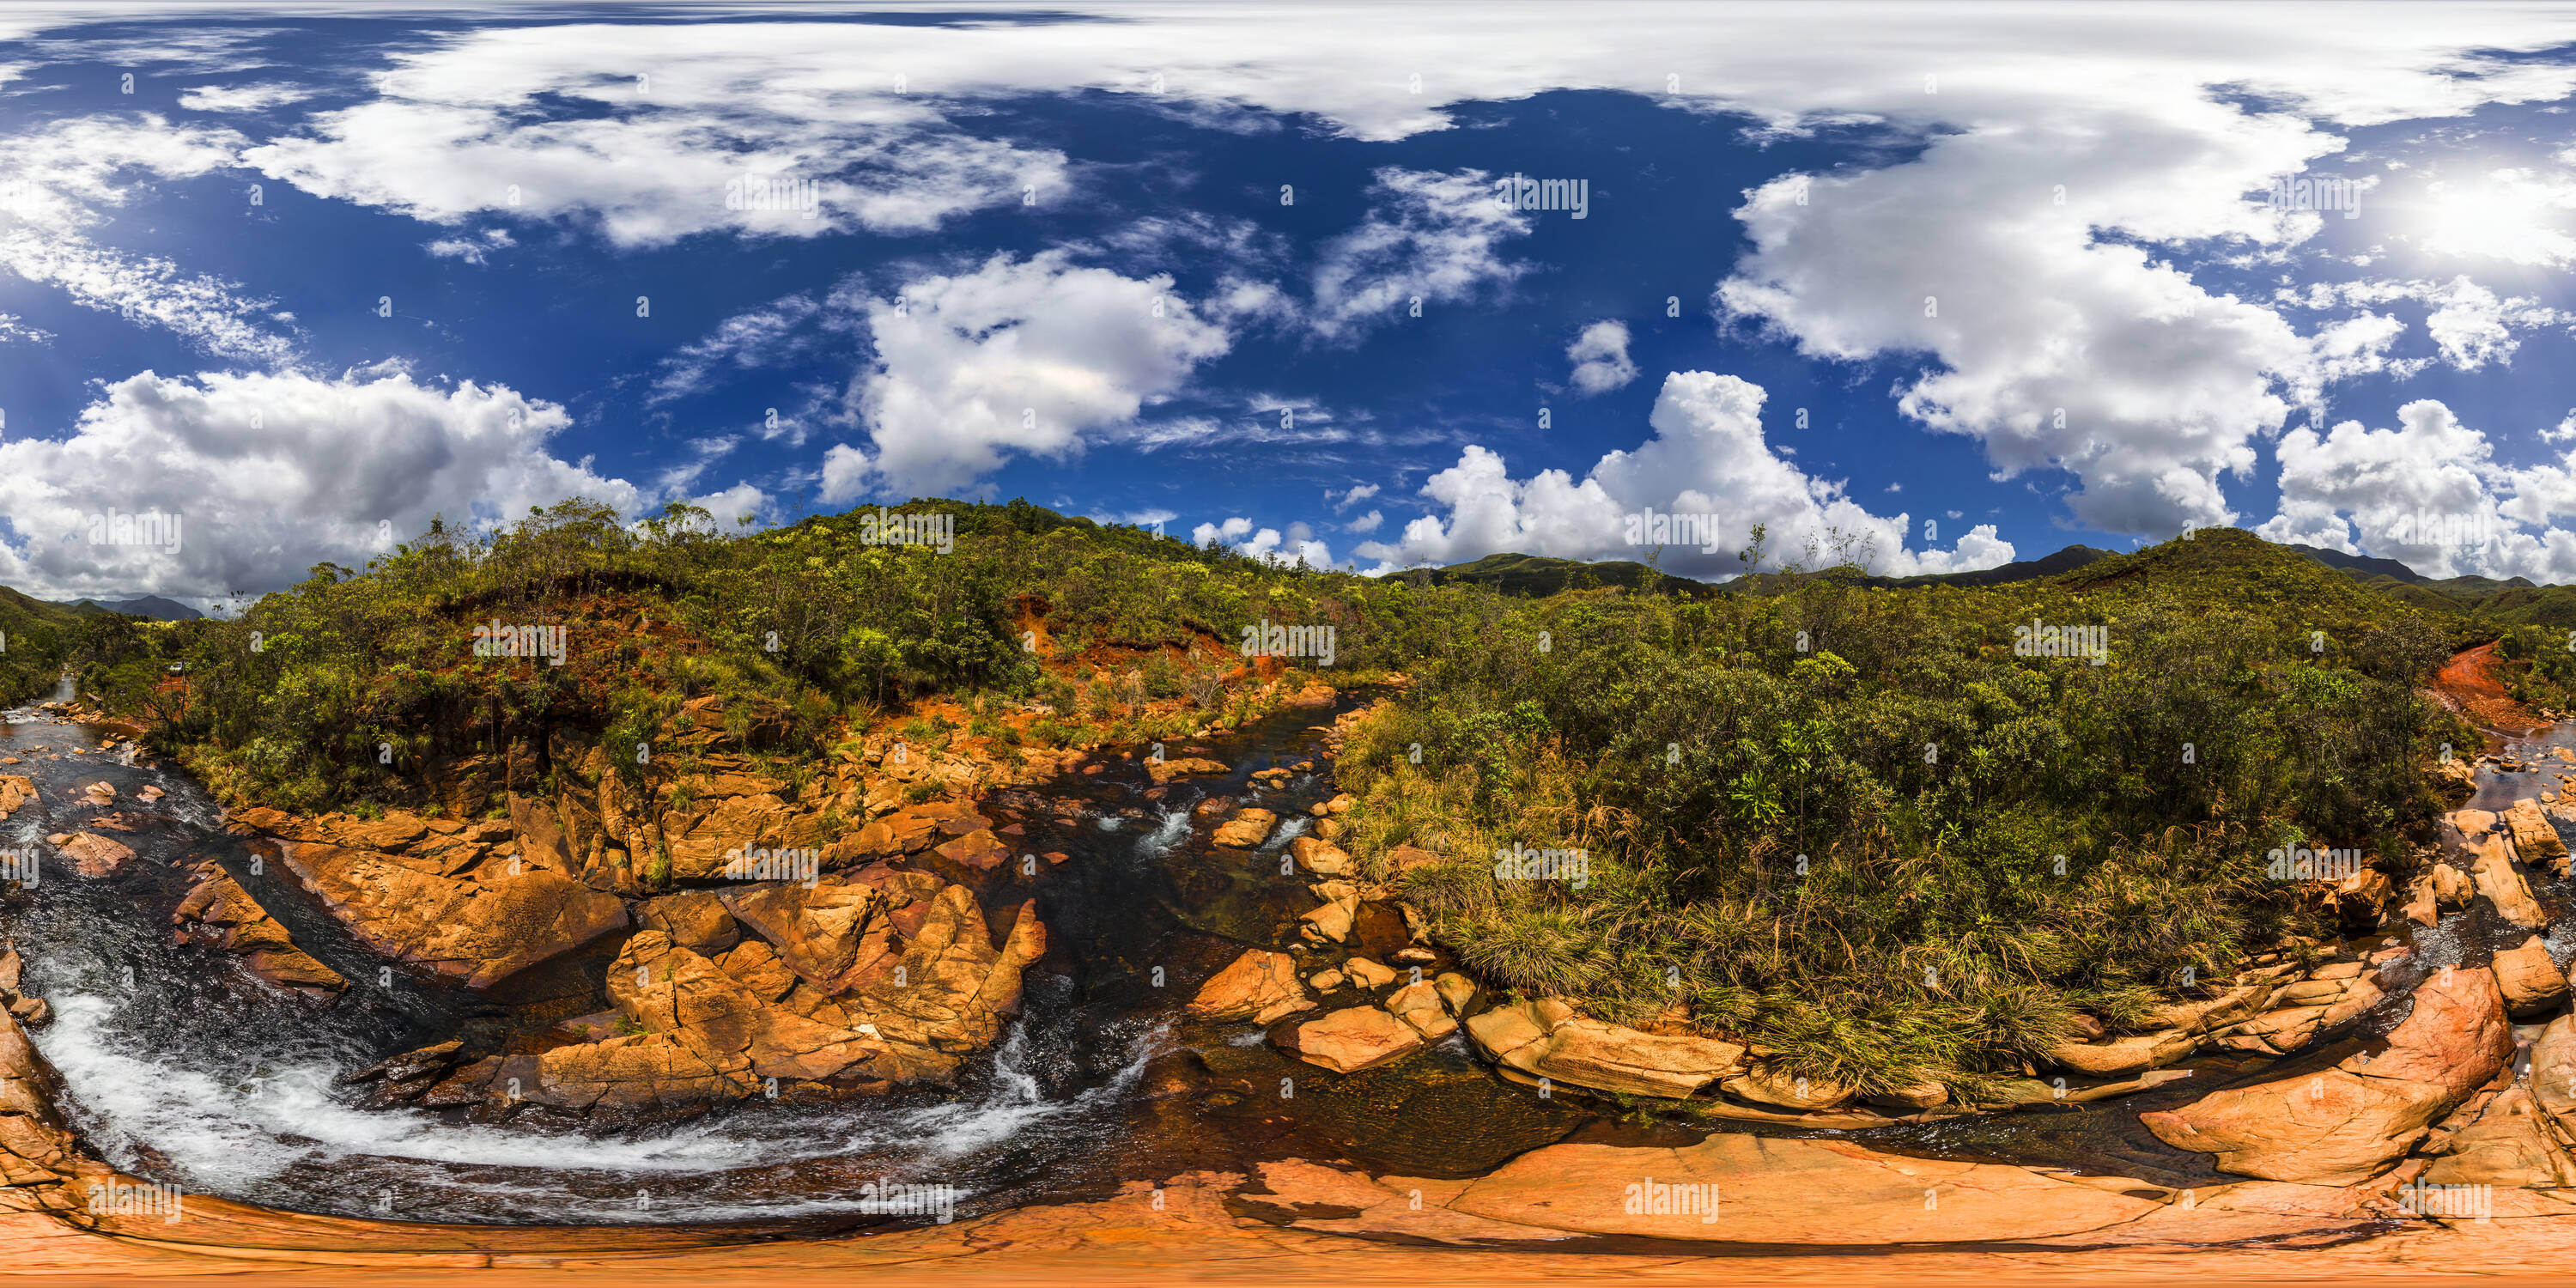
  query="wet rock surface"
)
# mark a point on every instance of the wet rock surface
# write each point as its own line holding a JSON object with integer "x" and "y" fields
{"x": 2347, "y": 1123}
{"x": 440, "y": 895}
{"x": 221, "y": 914}
{"x": 848, "y": 987}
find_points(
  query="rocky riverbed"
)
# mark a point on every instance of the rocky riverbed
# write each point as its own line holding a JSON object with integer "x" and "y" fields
{"x": 1149, "y": 1004}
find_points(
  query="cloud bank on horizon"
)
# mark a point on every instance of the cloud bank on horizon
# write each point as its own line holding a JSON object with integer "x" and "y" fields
{"x": 1378, "y": 287}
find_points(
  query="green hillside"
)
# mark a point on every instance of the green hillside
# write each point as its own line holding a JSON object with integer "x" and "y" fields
{"x": 34, "y": 637}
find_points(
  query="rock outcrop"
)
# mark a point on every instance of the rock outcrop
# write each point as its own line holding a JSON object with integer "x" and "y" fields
{"x": 93, "y": 856}
{"x": 34, "y": 1012}
{"x": 2532, "y": 984}
{"x": 2508, "y": 1144}
{"x": 1260, "y": 986}
{"x": 852, "y": 986}
{"x": 2486, "y": 841}
{"x": 1546, "y": 1039}
{"x": 2535, "y": 842}
{"x": 2345, "y": 1124}
{"x": 2332, "y": 995}
{"x": 1757, "y": 1190}
{"x": 441, "y": 895}
{"x": 219, "y": 913}
{"x": 37, "y": 1148}
{"x": 1248, "y": 829}
{"x": 1351, "y": 1039}
{"x": 2173, "y": 1031}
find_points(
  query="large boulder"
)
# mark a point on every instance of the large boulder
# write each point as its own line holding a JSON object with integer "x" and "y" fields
{"x": 1247, "y": 830}
{"x": 1421, "y": 1006}
{"x": 2510, "y": 1144}
{"x": 2439, "y": 889}
{"x": 2531, "y": 983}
{"x": 1322, "y": 858}
{"x": 2552, "y": 1076}
{"x": 94, "y": 856}
{"x": 2345, "y": 1124}
{"x": 2490, "y": 854}
{"x": 1546, "y": 1039}
{"x": 2534, "y": 840}
{"x": 1770, "y": 1084}
{"x": 218, "y": 912}
{"x": 865, "y": 987}
{"x": 1349, "y": 1040}
{"x": 1164, "y": 771}
{"x": 2127, "y": 1054}
{"x": 482, "y": 929}
{"x": 15, "y": 792}
{"x": 1260, "y": 986}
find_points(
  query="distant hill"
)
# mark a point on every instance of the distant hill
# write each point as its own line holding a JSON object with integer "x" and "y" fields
{"x": 1542, "y": 575}
{"x": 2476, "y": 604}
{"x": 2361, "y": 566}
{"x": 151, "y": 606}
{"x": 2518, "y": 601}
{"x": 19, "y": 613}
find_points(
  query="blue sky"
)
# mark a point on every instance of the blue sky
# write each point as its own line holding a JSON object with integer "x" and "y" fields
{"x": 1966, "y": 284}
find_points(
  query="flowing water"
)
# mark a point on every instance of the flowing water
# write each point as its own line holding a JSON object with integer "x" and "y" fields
{"x": 181, "y": 1067}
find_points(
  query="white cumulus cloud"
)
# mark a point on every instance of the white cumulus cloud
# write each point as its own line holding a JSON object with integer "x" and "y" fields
{"x": 1708, "y": 457}
{"x": 272, "y": 473}
{"x": 1015, "y": 357}
{"x": 1600, "y": 357}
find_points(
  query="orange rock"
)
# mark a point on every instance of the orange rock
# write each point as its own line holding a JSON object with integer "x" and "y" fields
{"x": 1260, "y": 986}
{"x": 219, "y": 912}
{"x": 481, "y": 930}
{"x": 1352, "y": 1039}
{"x": 2346, "y": 1124}
{"x": 979, "y": 849}
{"x": 95, "y": 856}
{"x": 2532, "y": 984}
{"x": 1248, "y": 829}
{"x": 1545, "y": 1039}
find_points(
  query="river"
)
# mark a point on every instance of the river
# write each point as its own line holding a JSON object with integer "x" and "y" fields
{"x": 181, "y": 1067}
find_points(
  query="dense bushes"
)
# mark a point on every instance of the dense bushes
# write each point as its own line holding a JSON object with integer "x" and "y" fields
{"x": 1903, "y": 852}
{"x": 337, "y": 690}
